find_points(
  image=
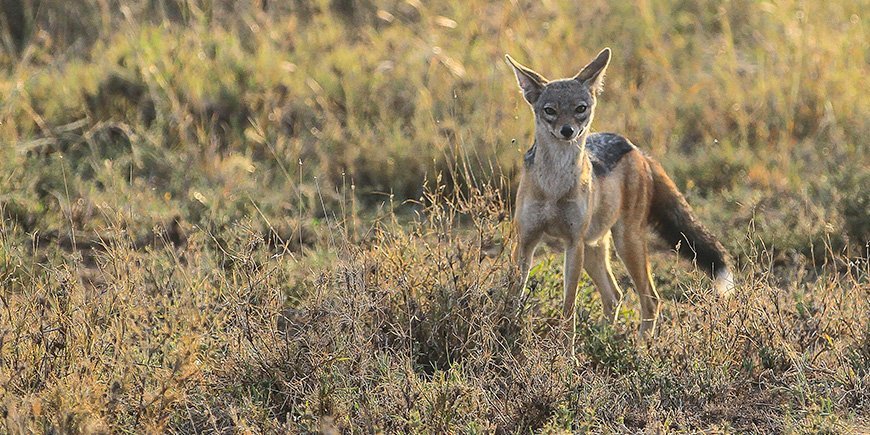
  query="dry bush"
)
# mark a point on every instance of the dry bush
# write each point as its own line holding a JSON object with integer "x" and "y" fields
{"x": 412, "y": 331}
{"x": 261, "y": 217}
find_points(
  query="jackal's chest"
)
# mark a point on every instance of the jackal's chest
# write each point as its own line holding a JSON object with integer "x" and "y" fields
{"x": 557, "y": 184}
{"x": 565, "y": 219}
{"x": 556, "y": 178}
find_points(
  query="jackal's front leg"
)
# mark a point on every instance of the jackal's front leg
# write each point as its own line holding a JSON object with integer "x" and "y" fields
{"x": 573, "y": 268}
{"x": 522, "y": 262}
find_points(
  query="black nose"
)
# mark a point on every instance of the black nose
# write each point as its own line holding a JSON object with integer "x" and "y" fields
{"x": 566, "y": 131}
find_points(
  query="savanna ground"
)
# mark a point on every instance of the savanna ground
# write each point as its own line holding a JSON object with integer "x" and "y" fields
{"x": 246, "y": 216}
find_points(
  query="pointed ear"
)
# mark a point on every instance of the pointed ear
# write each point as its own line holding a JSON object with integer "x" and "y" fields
{"x": 530, "y": 82}
{"x": 592, "y": 75}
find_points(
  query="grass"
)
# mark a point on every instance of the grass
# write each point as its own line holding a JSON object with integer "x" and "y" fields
{"x": 260, "y": 217}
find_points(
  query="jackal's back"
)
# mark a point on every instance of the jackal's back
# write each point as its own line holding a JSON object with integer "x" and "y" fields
{"x": 606, "y": 150}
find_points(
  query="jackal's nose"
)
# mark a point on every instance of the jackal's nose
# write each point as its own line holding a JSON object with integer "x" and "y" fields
{"x": 567, "y": 131}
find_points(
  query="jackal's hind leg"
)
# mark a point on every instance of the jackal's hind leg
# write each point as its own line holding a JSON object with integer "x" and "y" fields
{"x": 631, "y": 246}
{"x": 597, "y": 264}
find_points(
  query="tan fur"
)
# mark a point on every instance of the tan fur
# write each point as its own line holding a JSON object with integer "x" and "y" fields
{"x": 560, "y": 197}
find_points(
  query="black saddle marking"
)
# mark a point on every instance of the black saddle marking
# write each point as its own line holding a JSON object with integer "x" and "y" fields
{"x": 606, "y": 150}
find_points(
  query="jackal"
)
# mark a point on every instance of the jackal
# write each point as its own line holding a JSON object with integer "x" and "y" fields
{"x": 580, "y": 187}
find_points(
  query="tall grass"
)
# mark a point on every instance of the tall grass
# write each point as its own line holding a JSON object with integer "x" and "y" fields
{"x": 253, "y": 216}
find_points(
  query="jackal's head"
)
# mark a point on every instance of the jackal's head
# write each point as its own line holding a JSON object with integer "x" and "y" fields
{"x": 564, "y": 108}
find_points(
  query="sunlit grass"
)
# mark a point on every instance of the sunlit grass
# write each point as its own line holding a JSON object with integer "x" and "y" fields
{"x": 222, "y": 216}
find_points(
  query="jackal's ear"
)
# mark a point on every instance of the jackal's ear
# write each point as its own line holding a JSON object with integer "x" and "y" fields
{"x": 592, "y": 75}
{"x": 530, "y": 82}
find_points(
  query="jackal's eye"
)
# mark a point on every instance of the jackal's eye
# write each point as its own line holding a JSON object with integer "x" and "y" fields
{"x": 581, "y": 108}
{"x": 550, "y": 111}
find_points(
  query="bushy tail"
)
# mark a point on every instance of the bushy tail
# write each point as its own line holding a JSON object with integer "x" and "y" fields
{"x": 672, "y": 218}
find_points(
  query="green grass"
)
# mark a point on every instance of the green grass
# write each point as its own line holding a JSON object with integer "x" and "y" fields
{"x": 222, "y": 216}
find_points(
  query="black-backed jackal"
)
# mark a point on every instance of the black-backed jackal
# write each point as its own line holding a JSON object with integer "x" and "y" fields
{"x": 580, "y": 187}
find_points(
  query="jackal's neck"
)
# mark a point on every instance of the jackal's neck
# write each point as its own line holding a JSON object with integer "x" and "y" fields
{"x": 558, "y": 167}
{"x": 554, "y": 154}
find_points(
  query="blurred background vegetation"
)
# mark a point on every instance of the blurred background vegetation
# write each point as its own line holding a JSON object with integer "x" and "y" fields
{"x": 202, "y": 111}
{"x": 203, "y": 124}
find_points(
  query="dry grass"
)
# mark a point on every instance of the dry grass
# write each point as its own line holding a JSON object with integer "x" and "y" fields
{"x": 257, "y": 217}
